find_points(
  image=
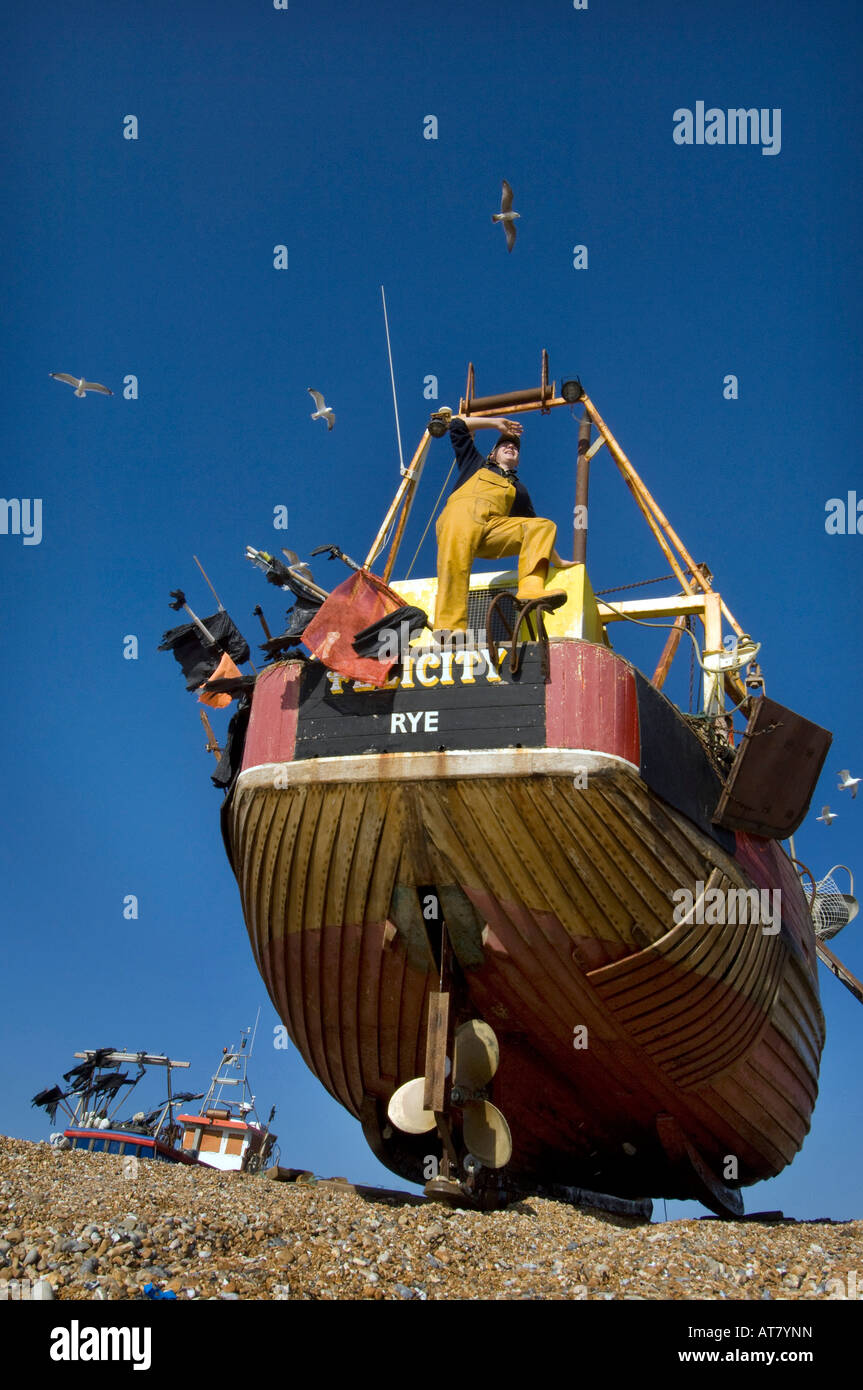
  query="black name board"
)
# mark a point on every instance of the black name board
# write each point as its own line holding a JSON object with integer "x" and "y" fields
{"x": 438, "y": 701}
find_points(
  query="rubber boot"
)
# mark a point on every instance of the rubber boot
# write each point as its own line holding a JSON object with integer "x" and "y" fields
{"x": 532, "y": 586}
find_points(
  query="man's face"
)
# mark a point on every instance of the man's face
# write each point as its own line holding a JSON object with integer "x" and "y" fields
{"x": 506, "y": 455}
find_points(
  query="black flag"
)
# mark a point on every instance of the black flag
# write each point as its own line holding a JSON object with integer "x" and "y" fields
{"x": 196, "y": 655}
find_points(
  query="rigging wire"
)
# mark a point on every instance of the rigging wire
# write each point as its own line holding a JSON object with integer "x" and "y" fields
{"x": 670, "y": 627}
{"x": 393, "y": 380}
{"x": 430, "y": 520}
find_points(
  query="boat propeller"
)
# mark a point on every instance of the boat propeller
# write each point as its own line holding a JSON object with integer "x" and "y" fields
{"x": 484, "y": 1127}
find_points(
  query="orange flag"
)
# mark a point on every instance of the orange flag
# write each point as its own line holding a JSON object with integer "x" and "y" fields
{"x": 225, "y": 669}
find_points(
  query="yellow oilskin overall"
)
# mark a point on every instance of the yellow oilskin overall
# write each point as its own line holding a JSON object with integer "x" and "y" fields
{"x": 476, "y": 523}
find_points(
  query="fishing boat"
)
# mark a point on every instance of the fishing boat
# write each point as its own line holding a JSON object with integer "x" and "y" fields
{"x": 93, "y": 1097}
{"x": 226, "y": 1133}
{"x": 529, "y": 922}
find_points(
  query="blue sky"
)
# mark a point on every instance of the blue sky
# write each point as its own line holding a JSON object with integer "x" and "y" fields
{"x": 154, "y": 258}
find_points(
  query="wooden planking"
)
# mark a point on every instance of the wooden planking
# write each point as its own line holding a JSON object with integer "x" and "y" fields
{"x": 608, "y": 719}
{"x": 786, "y": 1080}
{"x": 375, "y": 984}
{"x": 266, "y": 885}
{"x": 753, "y": 1137}
{"x": 781, "y": 1121}
{"x": 329, "y": 956}
{"x": 645, "y": 882}
{"x": 602, "y": 889}
{"x": 320, "y": 858}
{"x": 374, "y": 812}
{"x": 344, "y": 862}
{"x": 787, "y": 1021}
{"x": 697, "y": 999}
{"x": 344, "y": 993}
{"x": 776, "y": 1057}
{"x": 309, "y": 942}
{"x": 388, "y": 853}
{"x": 273, "y": 720}
{"x": 461, "y": 841}
{"x": 650, "y": 840}
{"x": 610, "y": 818}
{"x": 248, "y": 851}
{"x": 536, "y": 881}
{"x": 613, "y": 1078}
{"x": 592, "y": 891}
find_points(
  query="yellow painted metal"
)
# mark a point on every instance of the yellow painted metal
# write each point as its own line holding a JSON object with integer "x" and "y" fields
{"x": 580, "y": 616}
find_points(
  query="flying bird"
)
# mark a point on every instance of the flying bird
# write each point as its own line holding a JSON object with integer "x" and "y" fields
{"x": 323, "y": 411}
{"x": 827, "y": 815}
{"x": 848, "y": 783}
{"x": 81, "y": 385}
{"x": 506, "y": 215}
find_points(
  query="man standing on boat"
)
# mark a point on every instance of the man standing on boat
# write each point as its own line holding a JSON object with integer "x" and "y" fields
{"x": 489, "y": 515}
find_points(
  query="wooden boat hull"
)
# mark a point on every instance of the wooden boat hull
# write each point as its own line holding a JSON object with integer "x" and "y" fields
{"x": 555, "y": 865}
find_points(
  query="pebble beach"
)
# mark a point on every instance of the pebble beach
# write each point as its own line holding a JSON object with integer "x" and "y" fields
{"x": 91, "y": 1226}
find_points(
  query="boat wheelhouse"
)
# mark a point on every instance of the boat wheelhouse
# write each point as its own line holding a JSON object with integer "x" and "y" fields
{"x": 227, "y": 1133}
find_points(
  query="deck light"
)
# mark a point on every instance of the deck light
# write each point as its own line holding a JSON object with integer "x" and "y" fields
{"x": 572, "y": 391}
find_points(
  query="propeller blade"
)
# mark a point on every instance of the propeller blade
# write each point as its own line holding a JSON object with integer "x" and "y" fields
{"x": 477, "y": 1055}
{"x": 406, "y": 1108}
{"x": 486, "y": 1133}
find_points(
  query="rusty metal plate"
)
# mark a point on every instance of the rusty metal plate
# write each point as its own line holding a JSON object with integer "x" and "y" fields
{"x": 774, "y": 774}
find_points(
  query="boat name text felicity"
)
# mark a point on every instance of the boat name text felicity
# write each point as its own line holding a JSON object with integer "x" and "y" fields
{"x": 429, "y": 669}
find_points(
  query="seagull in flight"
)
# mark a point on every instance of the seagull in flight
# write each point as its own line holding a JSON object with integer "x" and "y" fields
{"x": 848, "y": 783}
{"x": 323, "y": 411}
{"x": 82, "y": 386}
{"x": 506, "y": 215}
{"x": 827, "y": 815}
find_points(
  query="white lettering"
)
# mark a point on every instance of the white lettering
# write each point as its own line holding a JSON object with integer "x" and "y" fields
{"x": 468, "y": 661}
{"x": 425, "y": 661}
{"x": 77, "y": 1343}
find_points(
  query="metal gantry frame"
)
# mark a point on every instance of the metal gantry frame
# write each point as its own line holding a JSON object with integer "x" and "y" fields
{"x": 234, "y": 1059}
{"x": 79, "y": 1114}
{"x": 699, "y": 597}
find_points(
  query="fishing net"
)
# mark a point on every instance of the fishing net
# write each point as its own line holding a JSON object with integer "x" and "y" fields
{"x": 829, "y": 908}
